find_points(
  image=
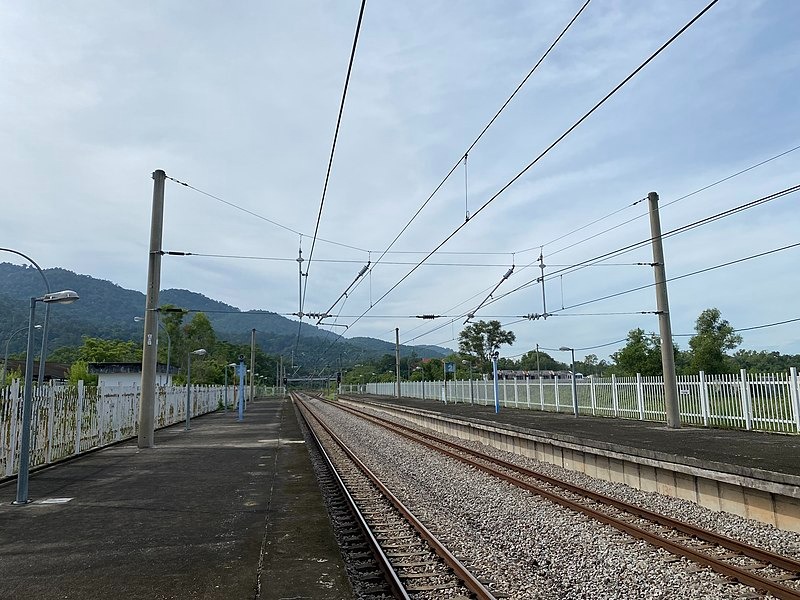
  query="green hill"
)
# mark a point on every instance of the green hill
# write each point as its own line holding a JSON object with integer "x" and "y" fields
{"x": 106, "y": 310}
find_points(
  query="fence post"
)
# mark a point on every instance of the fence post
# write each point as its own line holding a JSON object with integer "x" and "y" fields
{"x": 795, "y": 399}
{"x": 747, "y": 403}
{"x": 614, "y": 396}
{"x": 705, "y": 409}
{"x": 541, "y": 392}
{"x": 555, "y": 387}
{"x": 594, "y": 397}
{"x": 516, "y": 394}
{"x": 79, "y": 417}
{"x": 640, "y": 396}
{"x": 14, "y": 399}
{"x": 51, "y": 420}
{"x": 528, "y": 390}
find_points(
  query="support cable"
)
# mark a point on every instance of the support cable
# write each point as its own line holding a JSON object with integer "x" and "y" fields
{"x": 480, "y": 135}
{"x": 557, "y": 141}
{"x": 335, "y": 138}
{"x": 261, "y": 217}
{"x": 678, "y": 230}
{"x": 690, "y": 274}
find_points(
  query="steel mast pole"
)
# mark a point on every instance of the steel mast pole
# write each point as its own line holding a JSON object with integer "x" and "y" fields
{"x": 252, "y": 361}
{"x": 397, "y": 356}
{"x": 664, "y": 323}
{"x": 147, "y": 402}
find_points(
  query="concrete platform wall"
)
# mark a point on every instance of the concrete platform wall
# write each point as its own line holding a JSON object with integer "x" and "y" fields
{"x": 773, "y": 502}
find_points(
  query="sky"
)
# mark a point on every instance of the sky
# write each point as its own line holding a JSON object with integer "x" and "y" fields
{"x": 240, "y": 101}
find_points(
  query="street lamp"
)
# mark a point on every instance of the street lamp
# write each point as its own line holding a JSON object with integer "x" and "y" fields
{"x": 62, "y": 297}
{"x": 574, "y": 385}
{"x": 198, "y": 352}
{"x": 495, "y": 356}
{"x": 471, "y": 391}
{"x": 43, "y": 353}
{"x": 169, "y": 341}
{"x": 5, "y": 358}
{"x": 225, "y": 368}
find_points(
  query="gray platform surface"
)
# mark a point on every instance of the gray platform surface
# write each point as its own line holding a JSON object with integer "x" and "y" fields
{"x": 187, "y": 519}
{"x": 750, "y": 453}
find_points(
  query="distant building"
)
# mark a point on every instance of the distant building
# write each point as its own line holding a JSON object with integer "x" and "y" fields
{"x": 543, "y": 374}
{"x": 128, "y": 373}
{"x": 56, "y": 372}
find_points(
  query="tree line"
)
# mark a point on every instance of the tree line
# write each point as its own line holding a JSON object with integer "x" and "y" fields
{"x": 185, "y": 336}
{"x": 709, "y": 350}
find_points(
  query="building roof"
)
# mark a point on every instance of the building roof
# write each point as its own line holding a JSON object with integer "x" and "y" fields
{"x": 98, "y": 368}
{"x": 52, "y": 370}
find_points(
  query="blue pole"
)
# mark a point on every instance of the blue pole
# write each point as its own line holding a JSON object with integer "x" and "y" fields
{"x": 496, "y": 388}
{"x": 242, "y": 372}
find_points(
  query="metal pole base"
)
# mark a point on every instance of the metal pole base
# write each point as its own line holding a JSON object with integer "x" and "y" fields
{"x": 21, "y": 503}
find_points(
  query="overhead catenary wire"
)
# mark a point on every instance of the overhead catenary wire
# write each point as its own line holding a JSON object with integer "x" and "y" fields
{"x": 752, "y": 328}
{"x": 630, "y": 247}
{"x": 582, "y": 227}
{"x": 505, "y": 277}
{"x": 675, "y": 231}
{"x": 541, "y": 155}
{"x": 344, "y": 293}
{"x": 623, "y": 223}
{"x": 464, "y": 155}
{"x": 690, "y": 274}
{"x": 261, "y": 217}
{"x": 333, "y": 147}
{"x": 672, "y": 232}
{"x": 449, "y": 252}
{"x": 664, "y": 205}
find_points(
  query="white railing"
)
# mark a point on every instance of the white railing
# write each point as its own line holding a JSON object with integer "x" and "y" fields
{"x": 764, "y": 401}
{"x": 68, "y": 420}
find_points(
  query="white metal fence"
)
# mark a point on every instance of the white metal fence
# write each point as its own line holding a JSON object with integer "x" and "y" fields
{"x": 68, "y": 420}
{"x": 768, "y": 402}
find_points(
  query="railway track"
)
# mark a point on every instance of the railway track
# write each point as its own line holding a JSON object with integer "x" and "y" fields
{"x": 412, "y": 561}
{"x": 764, "y": 570}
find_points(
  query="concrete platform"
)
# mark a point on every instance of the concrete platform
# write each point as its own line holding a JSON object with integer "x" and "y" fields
{"x": 227, "y": 510}
{"x": 749, "y": 473}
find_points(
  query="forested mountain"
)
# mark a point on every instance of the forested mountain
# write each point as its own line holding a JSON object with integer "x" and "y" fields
{"x": 106, "y": 311}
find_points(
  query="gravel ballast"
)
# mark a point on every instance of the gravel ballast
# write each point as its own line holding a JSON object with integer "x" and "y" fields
{"x": 526, "y": 547}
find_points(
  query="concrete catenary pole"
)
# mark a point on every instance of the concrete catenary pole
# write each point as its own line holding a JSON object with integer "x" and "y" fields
{"x": 252, "y": 361}
{"x": 397, "y": 356}
{"x": 664, "y": 322}
{"x": 147, "y": 402}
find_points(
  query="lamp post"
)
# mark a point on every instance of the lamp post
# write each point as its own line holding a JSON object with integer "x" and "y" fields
{"x": 574, "y": 385}
{"x": 5, "y": 358}
{"x": 198, "y": 352}
{"x": 63, "y": 297}
{"x": 495, "y": 356}
{"x": 471, "y": 391}
{"x": 225, "y": 368}
{"x": 43, "y": 353}
{"x": 169, "y": 341}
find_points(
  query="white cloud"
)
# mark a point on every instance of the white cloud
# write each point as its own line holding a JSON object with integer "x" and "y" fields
{"x": 241, "y": 101}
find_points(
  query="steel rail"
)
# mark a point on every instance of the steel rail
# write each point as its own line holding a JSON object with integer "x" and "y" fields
{"x": 469, "y": 580}
{"x": 742, "y": 575}
{"x": 784, "y": 562}
{"x": 384, "y": 564}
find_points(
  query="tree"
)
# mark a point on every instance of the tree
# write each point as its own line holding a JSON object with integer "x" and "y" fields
{"x": 714, "y": 336}
{"x": 529, "y": 361}
{"x": 591, "y": 365}
{"x": 641, "y": 354}
{"x": 79, "y": 371}
{"x": 479, "y": 340}
{"x": 100, "y": 350}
